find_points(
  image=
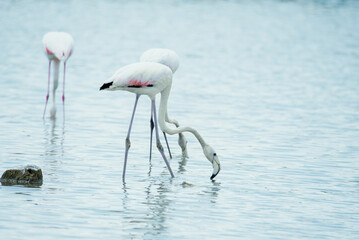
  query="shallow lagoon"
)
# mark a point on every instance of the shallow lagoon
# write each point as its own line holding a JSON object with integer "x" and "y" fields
{"x": 271, "y": 85}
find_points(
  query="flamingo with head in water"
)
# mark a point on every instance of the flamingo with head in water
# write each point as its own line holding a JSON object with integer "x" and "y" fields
{"x": 149, "y": 78}
{"x": 58, "y": 46}
{"x": 170, "y": 59}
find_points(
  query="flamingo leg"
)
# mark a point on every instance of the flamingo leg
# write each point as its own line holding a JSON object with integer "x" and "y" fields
{"x": 168, "y": 147}
{"x": 48, "y": 90}
{"x": 159, "y": 145}
{"x": 63, "y": 92}
{"x": 128, "y": 142}
{"x": 151, "y": 126}
{"x": 164, "y": 134}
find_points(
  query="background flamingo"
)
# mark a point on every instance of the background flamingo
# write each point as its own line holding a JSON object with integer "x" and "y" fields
{"x": 58, "y": 46}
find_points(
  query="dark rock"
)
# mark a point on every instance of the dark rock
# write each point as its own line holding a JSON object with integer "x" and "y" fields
{"x": 29, "y": 175}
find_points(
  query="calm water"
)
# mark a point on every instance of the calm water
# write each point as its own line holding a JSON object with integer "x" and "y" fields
{"x": 273, "y": 86}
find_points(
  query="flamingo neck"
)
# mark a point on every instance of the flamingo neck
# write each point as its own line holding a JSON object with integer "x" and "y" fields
{"x": 162, "y": 116}
{"x": 56, "y": 67}
{"x": 171, "y": 120}
{"x": 56, "y": 73}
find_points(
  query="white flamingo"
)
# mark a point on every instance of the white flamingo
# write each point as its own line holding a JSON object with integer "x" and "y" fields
{"x": 149, "y": 78}
{"x": 58, "y": 46}
{"x": 170, "y": 59}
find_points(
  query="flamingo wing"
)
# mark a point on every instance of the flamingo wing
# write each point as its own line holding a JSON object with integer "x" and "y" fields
{"x": 138, "y": 75}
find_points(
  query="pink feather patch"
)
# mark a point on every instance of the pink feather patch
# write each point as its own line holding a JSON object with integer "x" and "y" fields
{"x": 49, "y": 52}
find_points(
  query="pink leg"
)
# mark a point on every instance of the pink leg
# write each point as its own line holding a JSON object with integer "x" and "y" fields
{"x": 48, "y": 87}
{"x": 63, "y": 92}
{"x": 128, "y": 142}
{"x": 159, "y": 145}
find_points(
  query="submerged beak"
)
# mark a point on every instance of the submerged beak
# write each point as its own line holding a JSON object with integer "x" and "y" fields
{"x": 216, "y": 166}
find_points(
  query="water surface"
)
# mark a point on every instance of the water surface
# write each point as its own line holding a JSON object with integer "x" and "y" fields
{"x": 271, "y": 85}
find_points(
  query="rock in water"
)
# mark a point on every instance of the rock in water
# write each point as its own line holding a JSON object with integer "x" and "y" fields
{"x": 186, "y": 184}
{"x": 29, "y": 175}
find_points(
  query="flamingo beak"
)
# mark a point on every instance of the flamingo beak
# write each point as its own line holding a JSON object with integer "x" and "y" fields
{"x": 61, "y": 56}
{"x": 216, "y": 166}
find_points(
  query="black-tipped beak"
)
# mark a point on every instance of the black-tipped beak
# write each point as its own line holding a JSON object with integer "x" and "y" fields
{"x": 216, "y": 165}
{"x": 105, "y": 86}
{"x": 214, "y": 175}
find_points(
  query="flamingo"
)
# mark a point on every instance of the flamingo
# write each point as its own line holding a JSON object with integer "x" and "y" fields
{"x": 150, "y": 78}
{"x": 58, "y": 47}
{"x": 171, "y": 60}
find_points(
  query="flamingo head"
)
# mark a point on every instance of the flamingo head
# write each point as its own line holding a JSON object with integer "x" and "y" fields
{"x": 212, "y": 156}
{"x": 59, "y": 54}
{"x": 63, "y": 55}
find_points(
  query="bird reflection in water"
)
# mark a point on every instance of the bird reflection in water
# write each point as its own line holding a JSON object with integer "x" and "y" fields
{"x": 147, "y": 204}
{"x": 54, "y": 139}
{"x": 149, "y": 218}
{"x": 213, "y": 191}
{"x": 182, "y": 164}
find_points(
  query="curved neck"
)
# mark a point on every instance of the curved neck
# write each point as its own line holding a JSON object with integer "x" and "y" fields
{"x": 162, "y": 115}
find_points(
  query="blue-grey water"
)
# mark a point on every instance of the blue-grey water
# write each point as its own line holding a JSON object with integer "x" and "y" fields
{"x": 273, "y": 86}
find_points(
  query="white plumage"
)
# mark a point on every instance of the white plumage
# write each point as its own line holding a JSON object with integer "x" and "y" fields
{"x": 144, "y": 78}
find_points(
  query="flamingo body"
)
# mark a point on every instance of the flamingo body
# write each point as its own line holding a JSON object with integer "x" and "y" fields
{"x": 144, "y": 78}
